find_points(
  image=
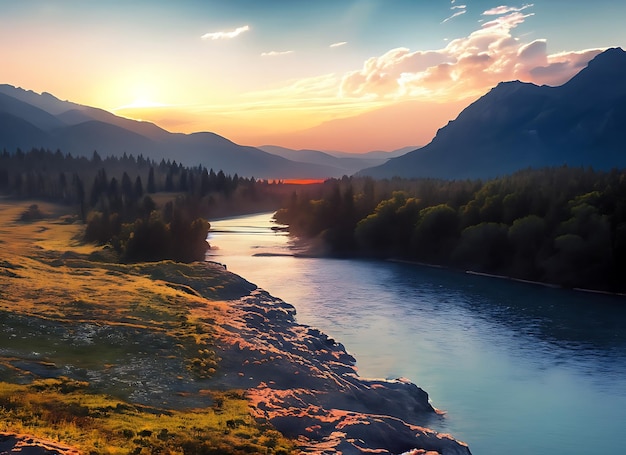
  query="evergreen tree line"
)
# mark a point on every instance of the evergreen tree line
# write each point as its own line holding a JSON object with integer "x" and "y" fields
{"x": 116, "y": 196}
{"x": 54, "y": 176}
{"x": 565, "y": 226}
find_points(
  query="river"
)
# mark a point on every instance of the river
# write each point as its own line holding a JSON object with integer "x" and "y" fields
{"x": 518, "y": 368}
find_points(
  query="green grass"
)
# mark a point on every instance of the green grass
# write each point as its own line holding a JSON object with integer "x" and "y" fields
{"x": 143, "y": 335}
{"x": 62, "y": 409}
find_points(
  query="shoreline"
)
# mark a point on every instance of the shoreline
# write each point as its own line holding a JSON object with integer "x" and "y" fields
{"x": 308, "y": 250}
{"x": 505, "y": 277}
{"x": 182, "y": 331}
{"x": 307, "y": 387}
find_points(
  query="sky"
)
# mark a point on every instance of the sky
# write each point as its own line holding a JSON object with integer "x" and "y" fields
{"x": 350, "y": 75}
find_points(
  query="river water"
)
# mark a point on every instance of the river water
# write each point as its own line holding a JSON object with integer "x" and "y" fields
{"x": 518, "y": 368}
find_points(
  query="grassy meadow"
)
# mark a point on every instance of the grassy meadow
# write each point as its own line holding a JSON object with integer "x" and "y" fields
{"x": 114, "y": 358}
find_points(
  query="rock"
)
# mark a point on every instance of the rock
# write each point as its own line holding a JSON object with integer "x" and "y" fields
{"x": 307, "y": 386}
{"x": 29, "y": 445}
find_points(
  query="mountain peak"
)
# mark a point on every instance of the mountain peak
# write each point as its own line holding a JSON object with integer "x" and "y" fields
{"x": 611, "y": 61}
{"x": 612, "y": 54}
{"x": 49, "y": 96}
{"x": 518, "y": 125}
{"x": 607, "y": 69}
{"x": 510, "y": 87}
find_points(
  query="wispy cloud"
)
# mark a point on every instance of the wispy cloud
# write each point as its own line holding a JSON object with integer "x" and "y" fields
{"x": 339, "y": 44}
{"x": 458, "y": 11}
{"x": 226, "y": 35}
{"x": 498, "y": 10}
{"x": 275, "y": 53}
{"x": 457, "y": 14}
{"x": 508, "y": 22}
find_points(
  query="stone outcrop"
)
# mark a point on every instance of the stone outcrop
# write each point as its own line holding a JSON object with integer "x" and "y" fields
{"x": 28, "y": 445}
{"x": 307, "y": 386}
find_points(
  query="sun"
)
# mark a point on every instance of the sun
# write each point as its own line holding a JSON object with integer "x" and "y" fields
{"x": 143, "y": 95}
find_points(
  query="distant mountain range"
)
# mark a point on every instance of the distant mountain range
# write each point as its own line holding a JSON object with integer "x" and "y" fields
{"x": 516, "y": 125}
{"x": 347, "y": 163}
{"x": 28, "y": 120}
{"x": 519, "y": 125}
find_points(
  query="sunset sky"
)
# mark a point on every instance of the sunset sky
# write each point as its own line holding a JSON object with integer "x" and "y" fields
{"x": 271, "y": 71}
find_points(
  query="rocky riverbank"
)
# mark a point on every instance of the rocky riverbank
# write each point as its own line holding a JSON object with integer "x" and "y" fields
{"x": 28, "y": 445}
{"x": 164, "y": 336}
{"x": 307, "y": 386}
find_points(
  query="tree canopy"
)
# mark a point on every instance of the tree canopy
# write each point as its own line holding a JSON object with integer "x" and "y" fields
{"x": 562, "y": 225}
{"x": 166, "y": 219}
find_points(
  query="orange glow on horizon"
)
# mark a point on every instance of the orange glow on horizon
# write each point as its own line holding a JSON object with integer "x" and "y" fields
{"x": 303, "y": 181}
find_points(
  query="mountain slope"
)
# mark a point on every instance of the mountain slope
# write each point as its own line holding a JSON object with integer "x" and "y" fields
{"x": 29, "y": 113}
{"x": 218, "y": 152}
{"x": 29, "y": 120}
{"x": 346, "y": 164}
{"x": 45, "y": 101}
{"x": 84, "y": 138}
{"x": 518, "y": 125}
{"x": 13, "y": 129}
{"x": 375, "y": 154}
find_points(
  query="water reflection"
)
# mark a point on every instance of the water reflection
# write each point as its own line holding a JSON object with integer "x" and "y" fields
{"x": 519, "y": 368}
{"x": 587, "y": 327}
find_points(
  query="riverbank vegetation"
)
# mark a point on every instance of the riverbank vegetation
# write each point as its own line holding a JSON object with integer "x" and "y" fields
{"x": 565, "y": 226}
{"x": 146, "y": 211}
{"x": 113, "y": 358}
{"x": 62, "y": 409}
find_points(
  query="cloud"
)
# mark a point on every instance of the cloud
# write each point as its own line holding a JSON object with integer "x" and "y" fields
{"x": 459, "y": 10}
{"x": 562, "y": 63}
{"x": 340, "y": 43}
{"x": 275, "y": 53}
{"x": 505, "y": 23}
{"x": 461, "y": 71}
{"x": 465, "y": 67}
{"x": 226, "y": 35}
{"x": 498, "y": 10}
{"x": 457, "y": 14}
{"x": 380, "y": 75}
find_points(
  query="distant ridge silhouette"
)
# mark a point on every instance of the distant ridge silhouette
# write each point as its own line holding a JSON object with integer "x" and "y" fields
{"x": 30, "y": 120}
{"x": 518, "y": 125}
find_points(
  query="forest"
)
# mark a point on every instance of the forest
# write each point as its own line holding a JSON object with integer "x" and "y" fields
{"x": 564, "y": 226}
{"x": 146, "y": 211}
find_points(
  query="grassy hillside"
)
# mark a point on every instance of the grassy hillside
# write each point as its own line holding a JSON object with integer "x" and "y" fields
{"x": 112, "y": 358}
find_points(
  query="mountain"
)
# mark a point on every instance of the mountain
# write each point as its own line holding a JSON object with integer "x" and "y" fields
{"x": 28, "y": 120}
{"x": 519, "y": 125}
{"x": 375, "y": 154}
{"x": 344, "y": 163}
